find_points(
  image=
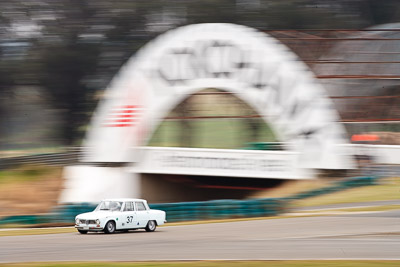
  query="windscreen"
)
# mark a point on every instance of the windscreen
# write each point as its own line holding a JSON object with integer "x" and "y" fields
{"x": 109, "y": 205}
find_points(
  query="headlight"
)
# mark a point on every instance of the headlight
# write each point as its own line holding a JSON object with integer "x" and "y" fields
{"x": 97, "y": 221}
{"x": 76, "y": 221}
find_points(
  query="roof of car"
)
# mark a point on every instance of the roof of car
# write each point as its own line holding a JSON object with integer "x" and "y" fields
{"x": 124, "y": 199}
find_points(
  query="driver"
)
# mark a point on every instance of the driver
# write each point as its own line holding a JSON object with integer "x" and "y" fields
{"x": 115, "y": 206}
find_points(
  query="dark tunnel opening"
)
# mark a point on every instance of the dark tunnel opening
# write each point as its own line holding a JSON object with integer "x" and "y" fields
{"x": 162, "y": 188}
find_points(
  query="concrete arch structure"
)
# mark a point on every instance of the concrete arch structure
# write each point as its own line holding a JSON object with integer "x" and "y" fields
{"x": 252, "y": 65}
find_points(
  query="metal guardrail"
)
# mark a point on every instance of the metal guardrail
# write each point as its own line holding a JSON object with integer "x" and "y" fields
{"x": 221, "y": 209}
{"x": 181, "y": 211}
{"x": 201, "y": 210}
{"x": 71, "y": 156}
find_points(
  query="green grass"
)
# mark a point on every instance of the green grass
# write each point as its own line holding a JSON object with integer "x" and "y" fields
{"x": 389, "y": 189}
{"x": 210, "y": 133}
{"x": 36, "y": 231}
{"x": 292, "y": 263}
{"x": 372, "y": 208}
{"x": 360, "y": 209}
{"x": 25, "y": 173}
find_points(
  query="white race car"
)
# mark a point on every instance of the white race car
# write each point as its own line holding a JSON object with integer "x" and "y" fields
{"x": 120, "y": 214}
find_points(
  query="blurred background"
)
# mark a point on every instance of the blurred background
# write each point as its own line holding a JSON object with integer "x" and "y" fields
{"x": 58, "y": 56}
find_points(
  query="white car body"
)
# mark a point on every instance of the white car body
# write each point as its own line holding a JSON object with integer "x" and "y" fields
{"x": 120, "y": 214}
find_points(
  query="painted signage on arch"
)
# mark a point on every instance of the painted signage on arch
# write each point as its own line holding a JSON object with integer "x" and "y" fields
{"x": 221, "y": 162}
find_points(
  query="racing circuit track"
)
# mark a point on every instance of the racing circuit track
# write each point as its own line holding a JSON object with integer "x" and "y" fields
{"x": 355, "y": 236}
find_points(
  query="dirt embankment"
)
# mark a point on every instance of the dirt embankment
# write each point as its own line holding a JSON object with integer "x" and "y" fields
{"x": 35, "y": 194}
{"x": 292, "y": 187}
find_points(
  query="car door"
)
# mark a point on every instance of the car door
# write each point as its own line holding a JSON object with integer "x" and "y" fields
{"x": 142, "y": 213}
{"x": 129, "y": 216}
{"x": 116, "y": 210}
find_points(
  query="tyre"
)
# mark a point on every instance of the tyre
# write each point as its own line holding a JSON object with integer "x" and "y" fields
{"x": 110, "y": 227}
{"x": 151, "y": 226}
{"x": 82, "y": 232}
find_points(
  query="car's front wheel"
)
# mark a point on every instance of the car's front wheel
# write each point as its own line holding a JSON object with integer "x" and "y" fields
{"x": 151, "y": 226}
{"x": 82, "y": 231}
{"x": 110, "y": 227}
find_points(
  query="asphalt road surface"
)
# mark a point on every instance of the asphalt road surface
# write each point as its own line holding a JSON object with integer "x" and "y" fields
{"x": 357, "y": 236}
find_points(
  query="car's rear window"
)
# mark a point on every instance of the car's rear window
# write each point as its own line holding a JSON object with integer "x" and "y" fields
{"x": 140, "y": 206}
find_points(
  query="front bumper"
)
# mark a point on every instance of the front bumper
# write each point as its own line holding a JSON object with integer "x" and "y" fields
{"x": 89, "y": 227}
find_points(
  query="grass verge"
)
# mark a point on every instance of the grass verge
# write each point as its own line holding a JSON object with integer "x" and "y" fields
{"x": 389, "y": 189}
{"x": 26, "y": 173}
{"x": 29, "y": 190}
{"x": 358, "y": 209}
{"x": 292, "y": 263}
{"x": 36, "y": 231}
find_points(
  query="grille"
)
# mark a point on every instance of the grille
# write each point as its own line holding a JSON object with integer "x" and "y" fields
{"x": 87, "y": 221}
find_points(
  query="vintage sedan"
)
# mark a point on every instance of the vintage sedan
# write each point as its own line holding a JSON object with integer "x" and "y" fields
{"x": 120, "y": 215}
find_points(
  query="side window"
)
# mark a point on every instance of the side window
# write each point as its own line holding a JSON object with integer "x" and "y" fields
{"x": 140, "y": 206}
{"x": 128, "y": 206}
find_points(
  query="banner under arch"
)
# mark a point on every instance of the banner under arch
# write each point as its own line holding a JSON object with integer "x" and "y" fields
{"x": 252, "y": 65}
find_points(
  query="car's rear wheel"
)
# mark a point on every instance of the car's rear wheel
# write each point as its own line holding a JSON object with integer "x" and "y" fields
{"x": 151, "y": 226}
{"x": 82, "y": 231}
{"x": 110, "y": 227}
